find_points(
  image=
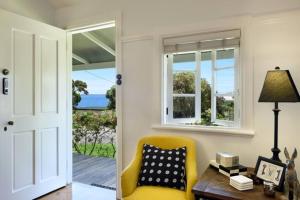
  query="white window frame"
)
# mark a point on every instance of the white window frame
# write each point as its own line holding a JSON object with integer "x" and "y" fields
{"x": 168, "y": 68}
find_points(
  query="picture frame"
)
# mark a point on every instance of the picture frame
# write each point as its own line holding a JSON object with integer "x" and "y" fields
{"x": 269, "y": 170}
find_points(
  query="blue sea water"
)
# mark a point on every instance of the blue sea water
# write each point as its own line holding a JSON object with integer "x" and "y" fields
{"x": 93, "y": 101}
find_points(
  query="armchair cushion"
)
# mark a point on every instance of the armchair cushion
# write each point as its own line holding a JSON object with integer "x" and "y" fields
{"x": 163, "y": 167}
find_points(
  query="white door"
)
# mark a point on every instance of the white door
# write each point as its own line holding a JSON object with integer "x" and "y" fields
{"x": 33, "y": 146}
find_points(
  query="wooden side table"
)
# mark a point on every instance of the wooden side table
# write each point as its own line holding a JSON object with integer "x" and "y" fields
{"x": 215, "y": 186}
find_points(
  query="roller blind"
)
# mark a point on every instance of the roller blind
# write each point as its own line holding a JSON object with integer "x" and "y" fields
{"x": 202, "y": 41}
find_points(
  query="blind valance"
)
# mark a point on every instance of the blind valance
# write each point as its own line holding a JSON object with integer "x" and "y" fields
{"x": 202, "y": 41}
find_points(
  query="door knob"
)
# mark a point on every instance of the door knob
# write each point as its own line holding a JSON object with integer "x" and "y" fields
{"x": 11, "y": 123}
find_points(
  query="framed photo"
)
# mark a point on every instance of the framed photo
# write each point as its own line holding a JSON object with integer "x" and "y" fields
{"x": 270, "y": 170}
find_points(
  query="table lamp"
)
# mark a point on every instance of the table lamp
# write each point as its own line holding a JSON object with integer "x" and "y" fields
{"x": 278, "y": 87}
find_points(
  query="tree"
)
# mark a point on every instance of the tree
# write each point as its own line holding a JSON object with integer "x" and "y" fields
{"x": 184, "y": 83}
{"x": 89, "y": 128}
{"x": 184, "y": 107}
{"x": 78, "y": 88}
{"x": 225, "y": 109}
{"x": 111, "y": 96}
{"x": 205, "y": 102}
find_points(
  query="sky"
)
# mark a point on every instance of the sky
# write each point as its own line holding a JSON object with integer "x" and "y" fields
{"x": 100, "y": 80}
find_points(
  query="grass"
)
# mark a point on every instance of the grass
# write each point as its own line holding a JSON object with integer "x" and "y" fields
{"x": 101, "y": 150}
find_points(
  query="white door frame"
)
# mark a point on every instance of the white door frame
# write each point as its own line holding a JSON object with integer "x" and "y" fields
{"x": 92, "y": 23}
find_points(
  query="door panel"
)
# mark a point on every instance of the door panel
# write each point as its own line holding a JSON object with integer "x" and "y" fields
{"x": 49, "y": 77}
{"x": 49, "y": 141}
{"x": 23, "y": 63}
{"x": 23, "y": 160}
{"x": 33, "y": 149}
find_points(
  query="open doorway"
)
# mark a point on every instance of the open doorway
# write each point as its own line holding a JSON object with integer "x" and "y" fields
{"x": 94, "y": 106}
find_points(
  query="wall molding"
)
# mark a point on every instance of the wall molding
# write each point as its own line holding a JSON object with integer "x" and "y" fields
{"x": 135, "y": 38}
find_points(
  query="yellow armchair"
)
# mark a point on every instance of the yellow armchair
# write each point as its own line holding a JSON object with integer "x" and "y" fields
{"x": 129, "y": 177}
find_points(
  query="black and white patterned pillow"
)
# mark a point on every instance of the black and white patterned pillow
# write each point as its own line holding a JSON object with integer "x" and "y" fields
{"x": 163, "y": 167}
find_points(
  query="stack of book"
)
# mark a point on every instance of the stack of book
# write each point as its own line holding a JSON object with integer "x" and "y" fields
{"x": 241, "y": 182}
{"x": 229, "y": 171}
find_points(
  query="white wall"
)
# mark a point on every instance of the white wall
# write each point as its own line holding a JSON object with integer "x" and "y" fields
{"x": 36, "y": 9}
{"x": 144, "y": 16}
{"x": 269, "y": 40}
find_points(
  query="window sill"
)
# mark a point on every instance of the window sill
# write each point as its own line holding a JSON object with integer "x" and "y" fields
{"x": 202, "y": 129}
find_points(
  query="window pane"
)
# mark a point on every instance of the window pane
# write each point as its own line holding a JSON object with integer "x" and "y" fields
{"x": 205, "y": 102}
{"x": 225, "y": 108}
{"x": 206, "y": 80}
{"x": 224, "y": 81}
{"x": 184, "y": 83}
{"x": 184, "y": 62}
{"x": 183, "y": 107}
{"x": 225, "y": 58}
{"x": 206, "y": 66}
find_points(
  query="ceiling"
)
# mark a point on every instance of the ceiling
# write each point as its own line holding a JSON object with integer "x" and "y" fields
{"x": 63, "y": 3}
{"x": 94, "y": 49}
{"x": 252, "y": 4}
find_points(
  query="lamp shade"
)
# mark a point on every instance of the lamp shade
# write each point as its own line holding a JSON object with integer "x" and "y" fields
{"x": 279, "y": 87}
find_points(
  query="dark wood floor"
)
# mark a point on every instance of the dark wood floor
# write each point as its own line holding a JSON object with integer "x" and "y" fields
{"x": 94, "y": 170}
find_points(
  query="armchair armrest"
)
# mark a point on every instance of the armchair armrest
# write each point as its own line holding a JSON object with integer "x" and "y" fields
{"x": 129, "y": 177}
{"x": 192, "y": 177}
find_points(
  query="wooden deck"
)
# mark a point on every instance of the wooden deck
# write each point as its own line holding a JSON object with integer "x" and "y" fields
{"x": 92, "y": 170}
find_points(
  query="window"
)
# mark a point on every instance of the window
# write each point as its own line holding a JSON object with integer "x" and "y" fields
{"x": 201, "y": 83}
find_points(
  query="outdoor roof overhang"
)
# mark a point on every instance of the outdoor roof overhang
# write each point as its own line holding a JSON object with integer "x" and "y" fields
{"x": 94, "y": 49}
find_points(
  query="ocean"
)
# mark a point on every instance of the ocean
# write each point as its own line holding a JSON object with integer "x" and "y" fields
{"x": 93, "y": 101}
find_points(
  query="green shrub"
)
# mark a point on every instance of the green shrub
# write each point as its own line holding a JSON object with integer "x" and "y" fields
{"x": 90, "y": 128}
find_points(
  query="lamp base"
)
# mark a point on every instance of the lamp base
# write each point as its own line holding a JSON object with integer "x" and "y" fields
{"x": 276, "y": 152}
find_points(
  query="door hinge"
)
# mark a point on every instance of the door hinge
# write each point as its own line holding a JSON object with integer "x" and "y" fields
{"x": 167, "y": 110}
